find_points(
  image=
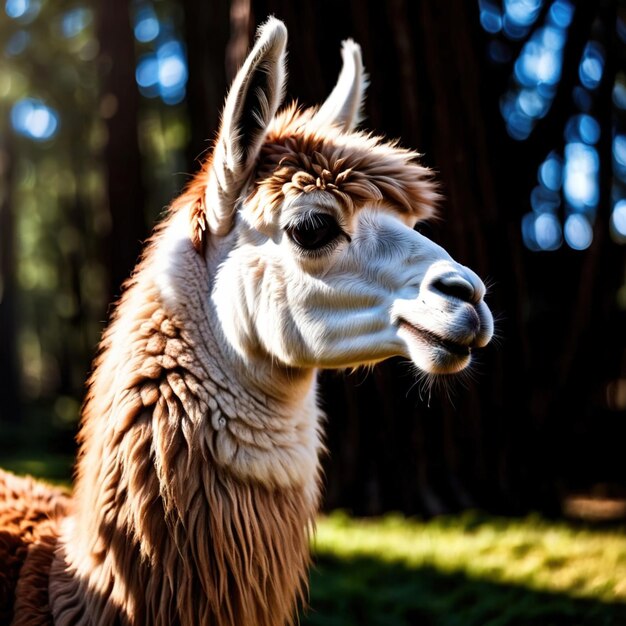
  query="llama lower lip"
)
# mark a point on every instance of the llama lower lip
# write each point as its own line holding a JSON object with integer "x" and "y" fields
{"x": 434, "y": 340}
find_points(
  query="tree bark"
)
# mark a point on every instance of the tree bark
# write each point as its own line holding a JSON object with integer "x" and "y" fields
{"x": 124, "y": 180}
{"x": 9, "y": 364}
{"x": 207, "y": 33}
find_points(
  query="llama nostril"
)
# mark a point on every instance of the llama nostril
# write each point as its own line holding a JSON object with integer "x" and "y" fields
{"x": 455, "y": 286}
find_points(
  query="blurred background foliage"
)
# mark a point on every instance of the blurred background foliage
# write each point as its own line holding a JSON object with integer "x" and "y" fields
{"x": 60, "y": 238}
{"x": 520, "y": 105}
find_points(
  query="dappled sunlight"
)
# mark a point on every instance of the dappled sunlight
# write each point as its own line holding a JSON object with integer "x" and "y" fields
{"x": 163, "y": 73}
{"x": 570, "y": 214}
{"x": 75, "y": 21}
{"x": 33, "y": 119}
{"x": 537, "y": 70}
{"x": 470, "y": 569}
{"x": 147, "y": 26}
{"x": 50, "y": 93}
{"x": 162, "y": 69}
{"x": 551, "y": 556}
{"x": 578, "y": 232}
{"x": 23, "y": 10}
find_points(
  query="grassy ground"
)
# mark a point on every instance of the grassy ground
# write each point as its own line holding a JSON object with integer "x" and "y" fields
{"x": 54, "y": 468}
{"x": 467, "y": 570}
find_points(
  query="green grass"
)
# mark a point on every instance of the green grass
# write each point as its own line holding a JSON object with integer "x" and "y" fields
{"x": 33, "y": 447}
{"x": 468, "y": 570}
{"x": 54, "y": 468}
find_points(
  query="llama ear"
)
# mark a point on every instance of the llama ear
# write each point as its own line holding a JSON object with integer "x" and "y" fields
{"x": 251, "y": 104}
{"x": 344, "y": 105}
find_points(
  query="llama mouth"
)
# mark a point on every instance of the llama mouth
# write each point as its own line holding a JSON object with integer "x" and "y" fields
{"x": 435, "y": 341}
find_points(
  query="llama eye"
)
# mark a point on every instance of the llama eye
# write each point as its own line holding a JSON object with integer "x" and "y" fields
{"x": 314, "y": 231}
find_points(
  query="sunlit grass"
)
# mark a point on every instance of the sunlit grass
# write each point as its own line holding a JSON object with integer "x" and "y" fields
{"x": 53, "y": 468}
{"x": 467, "y": 570}
{"x": 538, "y": 554}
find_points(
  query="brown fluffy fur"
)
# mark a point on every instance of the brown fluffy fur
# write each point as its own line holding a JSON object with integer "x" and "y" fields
{"x": 176, "y": 539}
{"x": 30, "y": 514}
{"x": 355, "y": 168}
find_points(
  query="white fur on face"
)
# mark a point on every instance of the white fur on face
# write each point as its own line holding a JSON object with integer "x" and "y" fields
{"x": 373, "y": 295}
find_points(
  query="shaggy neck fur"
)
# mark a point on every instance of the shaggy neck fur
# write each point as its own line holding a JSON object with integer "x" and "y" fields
{"x": 186, "y": 510}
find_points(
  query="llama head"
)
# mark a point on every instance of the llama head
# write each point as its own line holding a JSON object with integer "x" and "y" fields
{"x": 311, "y": 225}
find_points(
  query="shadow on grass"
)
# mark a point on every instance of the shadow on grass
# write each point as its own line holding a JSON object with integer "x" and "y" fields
{"x": 34, "y": 447}
{"x": 52, "y": 468}
{"x": 365, "y": 591}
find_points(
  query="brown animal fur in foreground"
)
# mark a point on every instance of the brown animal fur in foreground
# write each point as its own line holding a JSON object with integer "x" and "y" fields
{"x": 30, "y": 514}
{"x": 198, "y": 476}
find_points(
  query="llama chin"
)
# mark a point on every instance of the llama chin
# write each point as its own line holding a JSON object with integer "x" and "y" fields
{"x": 198, "y": 478}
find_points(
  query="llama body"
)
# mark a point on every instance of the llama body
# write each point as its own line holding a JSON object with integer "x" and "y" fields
{"x": 292, "y": 250}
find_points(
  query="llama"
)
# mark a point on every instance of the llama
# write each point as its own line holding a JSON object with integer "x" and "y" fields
{"x": 198, "y": 478}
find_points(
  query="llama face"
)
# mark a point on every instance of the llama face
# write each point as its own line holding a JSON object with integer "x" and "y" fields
{"x": 378, "y": 289}
{"x": 320, "y": 263}
{"x": 337, "y": 291}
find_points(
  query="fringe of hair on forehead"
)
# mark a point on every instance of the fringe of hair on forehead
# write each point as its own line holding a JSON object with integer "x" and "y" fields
{"x": 356, "y": 168}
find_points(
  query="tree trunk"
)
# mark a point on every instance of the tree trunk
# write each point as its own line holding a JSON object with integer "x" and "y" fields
{"x": 9, "y": 365}
{"x": 206, "y": 34}
{"x": 120, "y": 104}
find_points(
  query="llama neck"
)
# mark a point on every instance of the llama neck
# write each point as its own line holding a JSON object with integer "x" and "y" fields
{"x": 196, "y": 490}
